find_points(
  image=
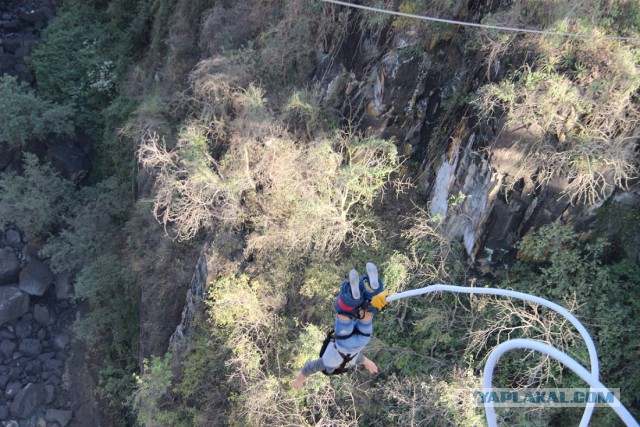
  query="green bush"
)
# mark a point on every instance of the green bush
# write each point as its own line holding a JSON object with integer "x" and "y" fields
{"x": 153, "y": 391}
{"x": 25, "y": 117}
{"x": 555, "y": 263}
{"x": 111, "y": 326}
{"x": 110, "y": 287}
{"x": 89, "y": 226}
{"x": 37, "y": 201}
{"x": 74, "y": 65}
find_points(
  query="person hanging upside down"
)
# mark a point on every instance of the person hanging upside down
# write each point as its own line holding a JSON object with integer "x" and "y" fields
{"x": 358, "y": 299}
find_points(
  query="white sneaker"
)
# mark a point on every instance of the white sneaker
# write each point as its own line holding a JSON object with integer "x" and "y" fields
{"x": 354, "y": 281}
{"x": 372, "y": 272}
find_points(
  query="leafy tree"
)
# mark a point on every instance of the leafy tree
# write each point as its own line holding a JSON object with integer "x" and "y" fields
{"x": 153, "y": 388}
{"x": 26, "y": 117}
{"x": 73, "y": 65}
{"x": 89, "y": 226}
{"x": 111, "y": 327}
{"x": 37, "y": 200}
{"x": 557, "y": 264}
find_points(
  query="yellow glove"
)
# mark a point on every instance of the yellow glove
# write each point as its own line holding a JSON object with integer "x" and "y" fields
{"x": 380, "y": 301}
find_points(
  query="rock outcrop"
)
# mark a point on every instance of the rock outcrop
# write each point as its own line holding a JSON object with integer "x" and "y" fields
{"x": 9, "y": 266}
{"x": 35, "y": 339}
{"x": 472, "y": 173}
{"x": 68, "y": 159}
{"x": 35, "y": 277}
{"x": 193, "y": 304}
{"x": 21, "y": 23}
{"x": 13, "y": 303}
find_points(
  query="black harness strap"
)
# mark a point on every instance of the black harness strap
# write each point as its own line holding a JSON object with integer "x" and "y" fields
{"x": 346, "y": 358}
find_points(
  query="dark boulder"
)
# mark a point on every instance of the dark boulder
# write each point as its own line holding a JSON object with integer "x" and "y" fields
{"x": 62, "y": 340}
{"x": 60, "y": 416}
{"x": 16, "y": 373}
{"x": 11, "y": 45}
{"x": 54, "y": 379}
{"x": 11, "y": 26}
{"x": 30, "y": 398}
{"x": 23, "y": 329}
{"x": 9, "y": 266}
{"x": 32, "y": 16}
{"x": 33, "y": 367}
{"x": 35, "y": 278}
{"x": 7, "y": 333}
{"x": 7, "y": 347}
{"x": 13, "y": 238}
{"x": 68, "y": 159}
{"x": 13, "y": 303}
{"x": 31, "y": 347}
{"x": 46, "y": 356}
{"x": 53, "y": 364}
{"x": 42, "y": 315}
{"x": 4, "y": 379}
{"x": 50, "y": 391}
{"x": 12, "y": 389}
{"x": 42, "y": 335}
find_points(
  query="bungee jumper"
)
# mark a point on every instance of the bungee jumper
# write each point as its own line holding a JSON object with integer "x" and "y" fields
{"x": 358, "y": 299}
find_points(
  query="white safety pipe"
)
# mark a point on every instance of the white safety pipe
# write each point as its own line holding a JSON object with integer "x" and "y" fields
{"x": 556, "y": 354}
{"x": 591, "y": 348}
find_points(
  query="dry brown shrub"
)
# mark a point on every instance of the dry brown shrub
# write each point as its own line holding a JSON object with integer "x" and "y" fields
{"x": 581, "y": 94}
{"x": 410, "y": 402}
{"x": 190, "y": 195}
{"x": 268, "y": 403}
{"x": 432, "y": 265}
{"x": 232, "y": 25}
{"x": 523, "y": 320}
{"x": 287, "y": 52}
{"x": 291, "y": 195}
{"x": 209, "y": 100}
{"x": 309, "y": 193}
{"x": 295, "y": 210}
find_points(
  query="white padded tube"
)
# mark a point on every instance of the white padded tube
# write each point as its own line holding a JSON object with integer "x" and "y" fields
{"x": 569, "y": 362}
{"x": 591, "y": 348}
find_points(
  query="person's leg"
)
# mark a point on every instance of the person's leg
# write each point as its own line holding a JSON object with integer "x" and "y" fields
{"x": 365, "y": 325}
{"x": 371, "y": 285}
{"x": 343, "y": 326}
{"x": 354, "y": 282}
{"x": 349, "y": 297}
{"x": 372, "y": 273}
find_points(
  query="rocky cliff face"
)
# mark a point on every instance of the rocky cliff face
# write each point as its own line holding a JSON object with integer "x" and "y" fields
{"x": 412, "y": 90}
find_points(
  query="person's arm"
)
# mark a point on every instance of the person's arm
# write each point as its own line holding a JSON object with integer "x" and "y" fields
{"x": 368, "y": 363}
{"x": 308, "y": 369}
{"x": 371, "y": 367}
